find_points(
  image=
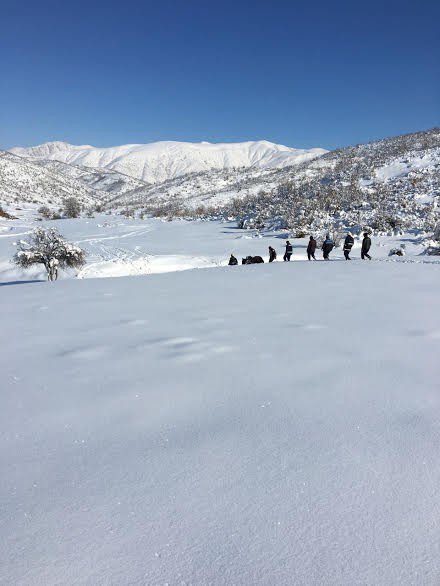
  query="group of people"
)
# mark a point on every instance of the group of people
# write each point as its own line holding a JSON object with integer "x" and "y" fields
{"x": 327, "y": 247}
{"x": 365, "y": 249}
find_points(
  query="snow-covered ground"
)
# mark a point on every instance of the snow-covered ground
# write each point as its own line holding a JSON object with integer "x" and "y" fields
{"x": 267, "y": 424}
{"x": 118, "y": 247}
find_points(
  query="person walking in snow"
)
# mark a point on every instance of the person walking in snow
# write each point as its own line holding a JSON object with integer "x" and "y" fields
{"x": 348, "y": 245}
{"x": 289, "y": 251}
{"x": 366, "y": 245}
{"x": 311, "y": 247}
{"x": 327, "y": 246}
{"x": 232, "y": 261}
{"x": 272, "y": 254}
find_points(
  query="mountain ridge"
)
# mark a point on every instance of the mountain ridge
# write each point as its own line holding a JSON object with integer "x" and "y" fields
{"x": 396, "y": 179}
{"x": 160, "y": 161}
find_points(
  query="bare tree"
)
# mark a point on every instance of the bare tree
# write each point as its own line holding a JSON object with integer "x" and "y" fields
{"x": 49, "y": 248}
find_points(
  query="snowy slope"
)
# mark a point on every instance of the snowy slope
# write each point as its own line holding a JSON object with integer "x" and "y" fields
{"x": 274, "y": 424}
{"x": 403, "y": 169}
{"x": 159, "y": 161}
{"x": 23, "y": 181}
{"x": 105, "y": 180}
{"x": 396, "y": 179}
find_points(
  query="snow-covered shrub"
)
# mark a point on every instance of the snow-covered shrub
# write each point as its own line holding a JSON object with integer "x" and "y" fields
{"x": 396, "y": 252}
{"x": 72, "y": 207}
{"x": 48, "y": 247}
{"x": 45, "y": 212}
{"x": 4, "y": 214}
{"x": 384, "y": 222}
{"x": 433, "y": 251}
{"x": 251, "y": 223}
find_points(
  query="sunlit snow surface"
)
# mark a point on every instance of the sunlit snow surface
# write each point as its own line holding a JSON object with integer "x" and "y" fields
{"x": 159, "y": 161}
{"x": 118, "y": 247}
{"x": 269, "y": 424}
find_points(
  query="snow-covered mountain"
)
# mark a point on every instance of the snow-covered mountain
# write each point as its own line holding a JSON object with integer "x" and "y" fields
{"x": 105, "y": 180}
{"x": 394, "y": 177}
{"x": 160, "y": 161}
{"x": 392, "y": 180}
{"x": 23, "y": 181}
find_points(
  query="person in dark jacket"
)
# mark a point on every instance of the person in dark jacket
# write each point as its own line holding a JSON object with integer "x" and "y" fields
{"x": 311, "y": 247}
{"x": 272, "y": 254}
{"x": 232, "y": 261}
{"x": 327, "y": 247}
{"x": 348, "y": 245}
{"x": 289, "y": 251}
{"x": 366, "y": 245}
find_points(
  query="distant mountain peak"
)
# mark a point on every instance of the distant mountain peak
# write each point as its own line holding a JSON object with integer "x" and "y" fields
{"x": 160, "y": 161}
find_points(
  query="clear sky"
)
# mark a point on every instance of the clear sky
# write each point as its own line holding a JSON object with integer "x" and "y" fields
{"x": 323, "y": 73}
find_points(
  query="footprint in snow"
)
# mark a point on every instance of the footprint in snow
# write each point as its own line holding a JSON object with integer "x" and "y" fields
{"x": 314, "y": 327}
{"x": 432, "y": 334}
{"x": 307, "y": 327}
{"x": 85, "y": 353}
{"x": 133, "y": 322}
{"x": 178, "y": 342}
{"x": 188, "y": 349}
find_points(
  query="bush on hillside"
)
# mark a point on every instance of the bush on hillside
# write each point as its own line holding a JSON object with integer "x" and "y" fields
{"x": 45, "y": 212}
{"x": 72, "y": 207}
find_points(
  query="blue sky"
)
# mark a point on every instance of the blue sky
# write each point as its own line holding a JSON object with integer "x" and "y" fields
{"x": 299, "y": 73}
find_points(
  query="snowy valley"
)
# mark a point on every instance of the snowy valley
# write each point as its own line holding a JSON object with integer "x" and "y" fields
{"x": 264, "y": 424}
{"x": 385, "y": 184}
{"x": 170, "y": 420}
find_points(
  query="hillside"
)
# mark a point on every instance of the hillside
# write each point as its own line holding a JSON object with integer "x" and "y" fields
{"x": 111, "y": 182}
{"x": 160, "y": 161}
{"x": 398, "y": 177}
{"x": 385, "y": 184}
{"x": 23, "y": 181}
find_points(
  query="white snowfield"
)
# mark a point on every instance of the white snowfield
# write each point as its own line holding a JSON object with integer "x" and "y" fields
{"x": 251, "y": 425}
{"x": 159, "y": 161}
{"x": 117, "y": 247}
